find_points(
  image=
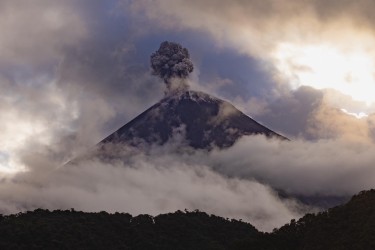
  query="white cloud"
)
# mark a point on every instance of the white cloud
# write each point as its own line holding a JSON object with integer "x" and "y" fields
{"x": 153, "y": 184}
{"x": 323, "y": 167}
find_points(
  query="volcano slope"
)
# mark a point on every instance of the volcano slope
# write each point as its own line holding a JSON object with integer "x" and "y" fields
{"x": 202, "y": 120}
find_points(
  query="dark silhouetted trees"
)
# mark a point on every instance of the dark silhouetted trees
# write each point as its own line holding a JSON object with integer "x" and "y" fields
{"x": 350, "y": 226}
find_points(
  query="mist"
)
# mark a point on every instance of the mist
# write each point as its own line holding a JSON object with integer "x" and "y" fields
{"x": 159, "y": 181}
{"x": 237, "y": 182}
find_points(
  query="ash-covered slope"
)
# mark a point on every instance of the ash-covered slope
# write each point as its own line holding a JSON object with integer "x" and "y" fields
{"x": 202, "y": 120}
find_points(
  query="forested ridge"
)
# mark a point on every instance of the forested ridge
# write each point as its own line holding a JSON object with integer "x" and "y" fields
{"x": 350, "y": 226}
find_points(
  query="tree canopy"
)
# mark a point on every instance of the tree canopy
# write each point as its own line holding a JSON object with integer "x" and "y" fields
{"x": 350, "y": 226}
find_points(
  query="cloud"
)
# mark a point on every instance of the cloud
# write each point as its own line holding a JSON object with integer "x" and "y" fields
{"x": 324, "y": 167}
{"x": 145, "y": 183}
{"x": 332, "y": 123}
{"x": 311, "y": 114}
{"x": 63, "y": 81}
{"x": 39, "y": 31}
{"x": 253, "y": 26}
{"x": 290, "y": 113}
{"x": 31, "y": 112}
{"x": 290, "y": 38}
{"x": 34, "y": 110}
{"x": 236, "y": 182}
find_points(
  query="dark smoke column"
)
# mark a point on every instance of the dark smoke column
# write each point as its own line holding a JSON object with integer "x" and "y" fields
{"x": 171, "y": 61}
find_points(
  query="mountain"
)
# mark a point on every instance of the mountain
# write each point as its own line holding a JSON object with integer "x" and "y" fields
{"x": 350, "y": 226}
{"x": 203, "y": 120}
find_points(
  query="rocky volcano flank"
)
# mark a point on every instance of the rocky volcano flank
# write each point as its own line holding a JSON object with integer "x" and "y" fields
{"x": 203, "y": 121}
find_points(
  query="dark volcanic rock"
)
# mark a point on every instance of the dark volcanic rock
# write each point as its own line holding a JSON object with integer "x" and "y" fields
{"x": 204, "y": 121}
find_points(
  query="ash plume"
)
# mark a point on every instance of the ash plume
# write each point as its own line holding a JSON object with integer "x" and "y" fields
{"x": 170, "y": 61}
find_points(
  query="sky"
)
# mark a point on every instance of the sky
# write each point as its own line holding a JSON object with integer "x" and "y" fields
{"x": 72, "y": 72}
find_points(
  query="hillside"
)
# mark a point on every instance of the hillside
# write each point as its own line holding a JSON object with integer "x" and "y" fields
{"x": 350, "y": 226}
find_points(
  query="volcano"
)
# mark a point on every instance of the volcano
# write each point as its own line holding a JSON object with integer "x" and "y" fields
{"x": 200, "y": 121}
{"x": 203, "y": 121}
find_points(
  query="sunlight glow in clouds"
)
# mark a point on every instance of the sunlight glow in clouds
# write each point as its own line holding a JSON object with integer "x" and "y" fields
{"x": 357, "y": 115}
{"x": 14, "y": 136}
{"x": 326, "y": 67}
{"x": 17, "y": 133}
{"x": 31, "y": 117}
